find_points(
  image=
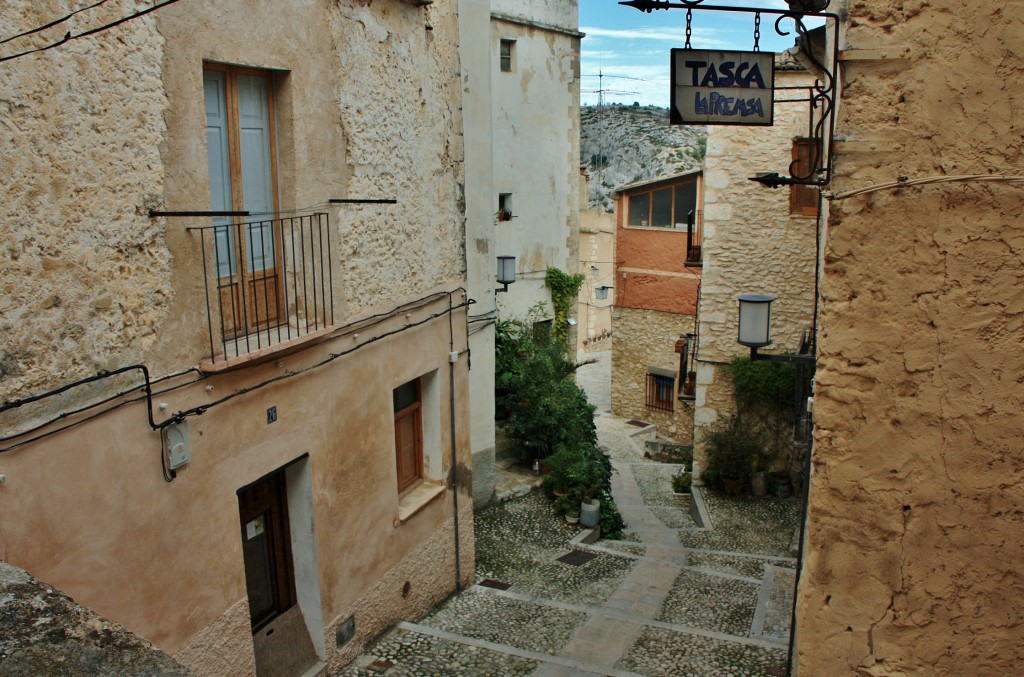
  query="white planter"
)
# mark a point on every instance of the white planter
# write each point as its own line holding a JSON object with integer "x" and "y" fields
{"x": 590, "y": 513}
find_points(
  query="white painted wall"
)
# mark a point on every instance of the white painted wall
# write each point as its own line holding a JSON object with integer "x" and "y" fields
{"x": 536, "y": 142}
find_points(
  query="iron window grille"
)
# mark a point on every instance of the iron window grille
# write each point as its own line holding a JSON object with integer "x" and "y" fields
{"x": 661, "y": 388}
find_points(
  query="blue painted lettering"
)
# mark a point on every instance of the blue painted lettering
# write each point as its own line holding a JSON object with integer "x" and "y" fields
{"x": 694, "y": 66}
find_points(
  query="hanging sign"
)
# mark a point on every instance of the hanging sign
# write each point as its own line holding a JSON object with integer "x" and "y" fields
{"x": 722, "y": 88}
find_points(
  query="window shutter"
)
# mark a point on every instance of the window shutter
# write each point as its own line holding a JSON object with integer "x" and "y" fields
{"x": 803, "y": 200}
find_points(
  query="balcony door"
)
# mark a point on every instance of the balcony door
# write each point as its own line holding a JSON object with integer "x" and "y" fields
{"x": 243, "y": 177}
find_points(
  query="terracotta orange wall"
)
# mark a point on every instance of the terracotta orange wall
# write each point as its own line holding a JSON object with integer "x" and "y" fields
{"x": 915, "y": 527}
{"x": 664, "y": 283}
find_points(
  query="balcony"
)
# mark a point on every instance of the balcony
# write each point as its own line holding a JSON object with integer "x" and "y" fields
{"x": 268, "y": 285}
{"x": 694, "y": 237}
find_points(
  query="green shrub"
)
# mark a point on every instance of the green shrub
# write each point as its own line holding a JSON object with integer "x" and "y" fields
{"x": 681, "y": 482}
{"x": 536, "y": 393}
{"x": 734, "y": 448}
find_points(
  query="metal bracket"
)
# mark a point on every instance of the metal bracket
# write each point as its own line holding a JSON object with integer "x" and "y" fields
{"x": 823, "y": 93}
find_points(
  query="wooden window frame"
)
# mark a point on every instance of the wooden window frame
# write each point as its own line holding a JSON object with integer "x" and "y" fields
{"x": 414, "y": 411}
{"x": 803, "y": 199}
{"x": 672, "y": 187}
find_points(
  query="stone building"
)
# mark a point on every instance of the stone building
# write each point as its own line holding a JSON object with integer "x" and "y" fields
{"x": 520, "y": 61}
{"x": 914, "y": 523}
{"x": 236, "y": 413}
{"x": 756, "y": 240}
{"x": 657, "y": 278}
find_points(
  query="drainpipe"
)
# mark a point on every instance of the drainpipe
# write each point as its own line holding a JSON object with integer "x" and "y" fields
{"x": 453, "y": 357}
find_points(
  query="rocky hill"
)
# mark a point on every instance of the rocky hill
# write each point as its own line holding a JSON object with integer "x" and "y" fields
{"x": 624, "y": 144}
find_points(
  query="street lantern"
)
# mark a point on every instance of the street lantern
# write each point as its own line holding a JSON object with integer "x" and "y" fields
{"x": 506, "y": 272}
{"x": 755, "y": 320}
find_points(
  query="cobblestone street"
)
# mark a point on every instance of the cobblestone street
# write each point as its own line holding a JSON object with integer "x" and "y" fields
{"x": 674, "y": 598}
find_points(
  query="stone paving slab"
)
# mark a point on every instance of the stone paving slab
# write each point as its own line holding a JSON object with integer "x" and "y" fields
{"x": 665, "y": 653}
{"x": 777, "y": 607}
{"x": 711, "y": 602}
{"x": 519, "y": 541}
{"x": 747, "y": 524}
{"x": 419, "y": 655}
{"x": 524, "y": 625}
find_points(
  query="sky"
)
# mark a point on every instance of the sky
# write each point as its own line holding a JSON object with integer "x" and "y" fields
{"x": 631, "y": 48}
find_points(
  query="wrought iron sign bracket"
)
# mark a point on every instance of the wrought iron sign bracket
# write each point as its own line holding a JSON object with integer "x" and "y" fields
{"x": 824, "y": 91}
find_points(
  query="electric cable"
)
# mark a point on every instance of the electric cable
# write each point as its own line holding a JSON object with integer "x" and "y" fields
{"x": 68, "y": 37}
{"x": 904, "y": 182}
{"x": 55, "y": 22}
{"x": 177, "y": 418}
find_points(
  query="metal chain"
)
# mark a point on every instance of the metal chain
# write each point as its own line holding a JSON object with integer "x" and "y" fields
{"x": 757, "y": 32}
{"x": 689, "y": 29}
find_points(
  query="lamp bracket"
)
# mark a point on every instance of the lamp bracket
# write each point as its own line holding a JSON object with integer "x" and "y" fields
{"x": 790, "y": 359}
{"x": 822, "y": 94}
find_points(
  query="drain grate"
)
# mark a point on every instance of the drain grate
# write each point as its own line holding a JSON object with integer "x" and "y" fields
{"x": 576, "y": 558}
{"x": 380, "y": 665}
{"x": 497, "y": 585}
{"x": 635, "y": 422}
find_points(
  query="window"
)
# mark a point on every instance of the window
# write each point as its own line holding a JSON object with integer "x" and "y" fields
{"x": 504, "y": 206}
{"x": 661, "y": 388}
{"x": 803, "y": 200}
{"x": 266, "y": 548}
{"x": 663, "y": 207}
{"x": 508, "y": 53}
{"x": 243, "y": 177}
{"x": 408, "y": 403}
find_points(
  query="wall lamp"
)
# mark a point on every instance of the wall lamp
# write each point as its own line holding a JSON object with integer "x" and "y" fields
{"x": 755, "y": 329}
{"x": 601, "y": 292}
{"x": 506, "y": 272}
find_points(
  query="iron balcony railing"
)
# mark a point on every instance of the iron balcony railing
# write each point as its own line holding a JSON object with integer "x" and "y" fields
{"x": 694, "y": 237}
{"x": 267, "y": 281}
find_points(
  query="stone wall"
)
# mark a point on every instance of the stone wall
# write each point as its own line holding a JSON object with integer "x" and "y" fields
{"x": 103, "y": 129}
{"x": 83, "y": 270}
{"x": 643, "y": 339}
{"x": 752, "y": 244}
{"x": 912, "y": 562}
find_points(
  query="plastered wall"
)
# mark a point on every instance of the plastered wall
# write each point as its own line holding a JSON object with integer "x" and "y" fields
{"x": 597, "y": 263}
{"x": 536, "y": 144}
{"x": 912, "y": 563}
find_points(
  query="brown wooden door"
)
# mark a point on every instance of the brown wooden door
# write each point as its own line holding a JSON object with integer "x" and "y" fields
{"x": 266, "y": 548}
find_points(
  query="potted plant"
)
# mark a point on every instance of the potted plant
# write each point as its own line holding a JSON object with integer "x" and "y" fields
{"x": 681, "y": 483}
{"x": 732, "y": 446}
{"x": 559, "y": 477}
{"x": 503, "y": 215}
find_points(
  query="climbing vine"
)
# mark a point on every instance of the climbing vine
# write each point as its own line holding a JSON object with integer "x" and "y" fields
{"x": 564, "y": 288}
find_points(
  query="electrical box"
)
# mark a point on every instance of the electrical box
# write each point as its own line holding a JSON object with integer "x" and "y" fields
{"x": 176, "y": 443}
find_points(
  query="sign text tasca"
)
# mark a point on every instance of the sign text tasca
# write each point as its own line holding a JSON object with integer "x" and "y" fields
{"x": 722, "y": 88}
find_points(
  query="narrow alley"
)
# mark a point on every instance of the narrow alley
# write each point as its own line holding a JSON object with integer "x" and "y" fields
{"x": 706, "y": 597}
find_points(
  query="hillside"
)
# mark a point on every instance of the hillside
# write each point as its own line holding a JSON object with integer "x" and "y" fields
{"x": 624, "y": 144}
